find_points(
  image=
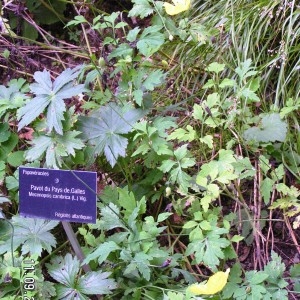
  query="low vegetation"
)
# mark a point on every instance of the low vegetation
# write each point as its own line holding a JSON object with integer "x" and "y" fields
{"x": 189, "y": 114}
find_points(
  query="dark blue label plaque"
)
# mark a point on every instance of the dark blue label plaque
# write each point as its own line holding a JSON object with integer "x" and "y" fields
{"x": 58, "y": 194}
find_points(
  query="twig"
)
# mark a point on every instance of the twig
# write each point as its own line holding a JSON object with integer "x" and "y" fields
{"x": 288, "y": 224}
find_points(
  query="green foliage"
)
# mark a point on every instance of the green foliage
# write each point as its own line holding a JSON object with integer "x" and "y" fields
{"x": 175, "y": 167}
{"x": 295, "y": 272}
{"x": 134, "y": 249}
{"x": 214, "y": 174}
{"x": 141, "y": 8}
{"x": 33, "y": 234}
{"x": 150, "y": 40}
{"x": 55, "y": 147}
{"x": 65, "y": 271}
{"x": 152, "y": 137}
{"x": 272, "y": 129}
{"x": 104, "y": 128}
{"x": 206, "y": 241}
{"x": 266, "y": 284}
{"x": 289, "y": 200}
{"x": 8, "y": 142}
{"x": 13, "y": 96}
{"x": 50, "y": 95}
{"x": 192, "y": 128}
{"x": 183, "y": 135}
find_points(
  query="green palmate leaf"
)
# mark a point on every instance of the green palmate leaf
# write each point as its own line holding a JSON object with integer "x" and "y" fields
{"x": 111, "y": 19}
{"x": 183, "y": 155}
{"x": 183, "y": 135}
{"x": 181, "y": 177}
{"x": 150, "y": 40}
{"x": 213, "y": 100}
{"x": 257, "y": 277}
{"x": 226, "y": 82}
{"x": 251, "y": 292}
{"x": 215, "y": 67}
{"x": 175, "y": 167}
{"x": 272, "y": 129}
{"x": 33, "y": 234}
{"x": 138, "y": 96}
{"x": 102, "y": 252}
{"x": 295, "y": 271}
{"x": 110, "y": 217}
{"x": 255, "y": 84}
{"x": 96, "y": 283}
{"x": 275, "y": 269}
{"x": 153, "y": 79}
{"x": 221, "y": 171}
{"x": 50, "y": 95}
{"x": 12, "y": 97}
{"x": 210, "y": 249}
{"x": 256, "y": 287}
{"x": 245, "y": 69}
{"x": 140, "y": 263}
{"x": 190, "y": 224}
{"x": 104, "y": 129}
{"x": 278, "y": 173}
{"x": 55, "y": 147}
{"x": 141, "y": 8}
{"x": 65, "y": 270}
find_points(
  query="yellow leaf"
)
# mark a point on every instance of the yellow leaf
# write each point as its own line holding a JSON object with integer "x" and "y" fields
{"x": 214, "y": 284}
{"x": 178, "y": 7}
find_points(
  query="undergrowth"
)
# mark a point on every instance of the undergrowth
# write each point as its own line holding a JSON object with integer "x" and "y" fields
{"x": 191, "y": 121}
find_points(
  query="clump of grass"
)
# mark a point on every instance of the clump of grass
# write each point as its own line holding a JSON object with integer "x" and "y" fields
{"x": 267, "y": 32}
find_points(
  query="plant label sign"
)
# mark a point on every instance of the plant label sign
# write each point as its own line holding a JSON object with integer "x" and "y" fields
{"x": 58, "y": 194}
